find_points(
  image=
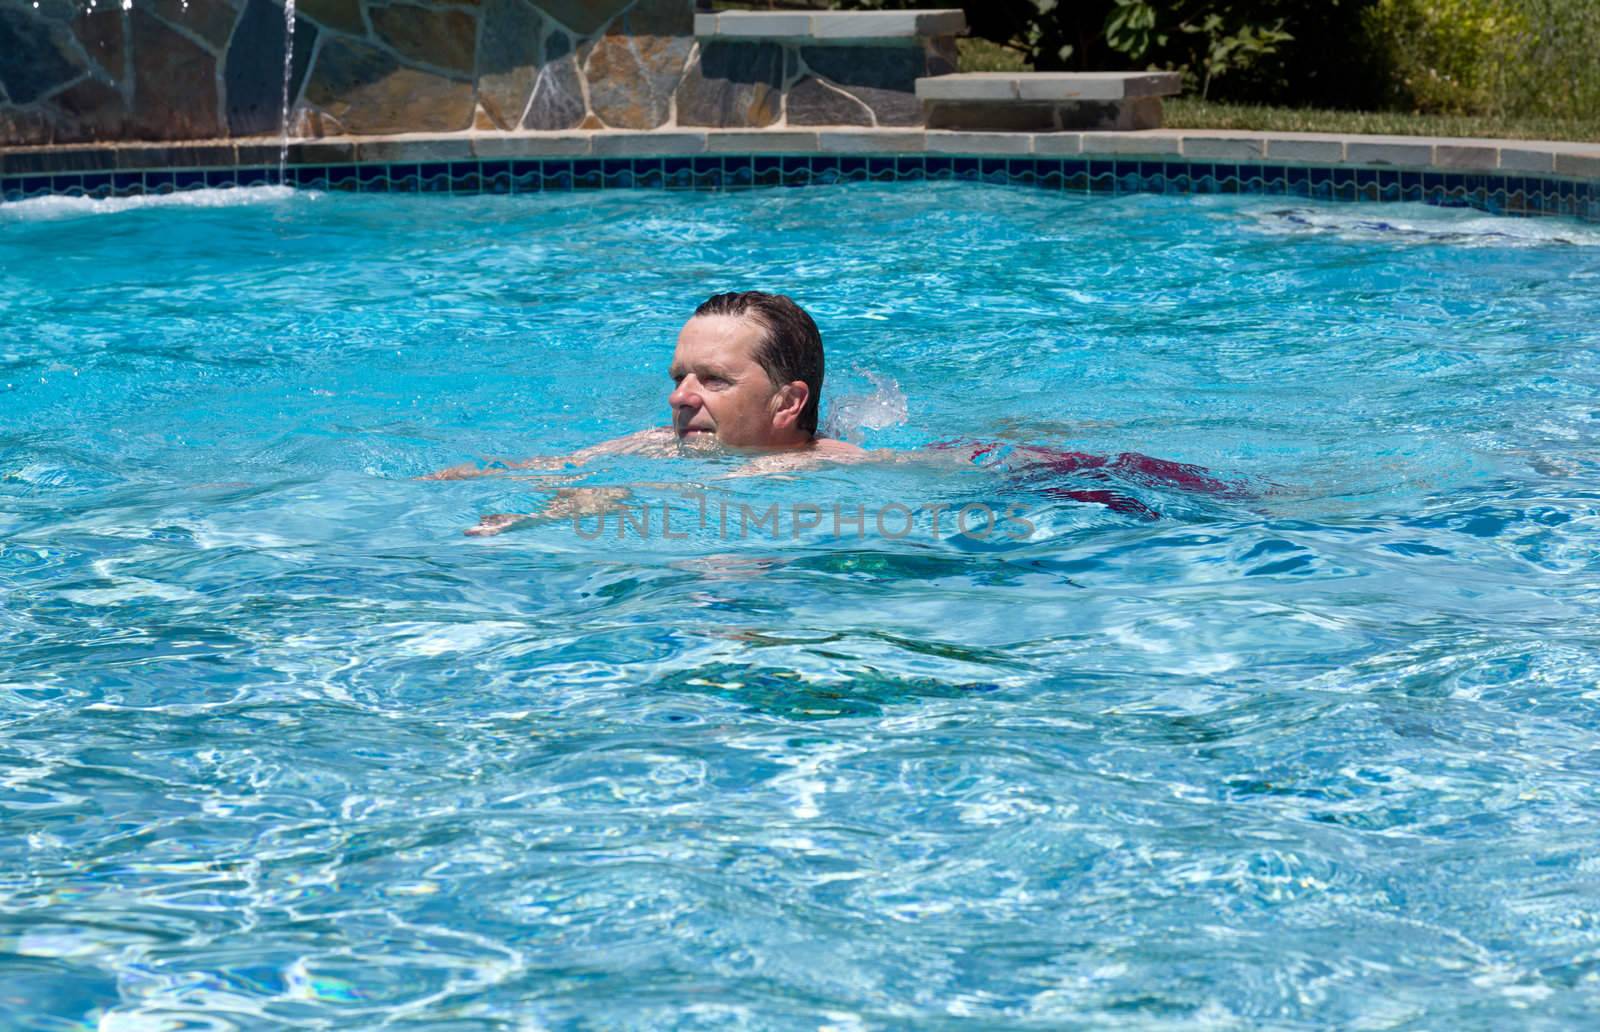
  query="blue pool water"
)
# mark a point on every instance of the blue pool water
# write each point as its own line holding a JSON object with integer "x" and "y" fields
{"x": 280, "y": 747}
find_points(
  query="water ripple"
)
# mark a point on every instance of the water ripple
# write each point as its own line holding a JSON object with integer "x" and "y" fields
{"x": 281, "y": 748}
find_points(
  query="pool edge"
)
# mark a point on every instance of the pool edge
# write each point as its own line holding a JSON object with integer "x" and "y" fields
{"x": 1515, "y": 177}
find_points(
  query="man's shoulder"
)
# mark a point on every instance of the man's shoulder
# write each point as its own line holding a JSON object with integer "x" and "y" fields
{"x": 833, "y": 448}
{"x": 640, "y": 442}
{"x": 821, "y": 450}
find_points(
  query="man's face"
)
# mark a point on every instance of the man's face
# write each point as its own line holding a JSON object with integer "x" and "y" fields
{"x": 722, "y": 394}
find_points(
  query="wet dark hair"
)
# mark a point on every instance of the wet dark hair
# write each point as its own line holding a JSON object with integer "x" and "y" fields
{"x": 790, "y": 349}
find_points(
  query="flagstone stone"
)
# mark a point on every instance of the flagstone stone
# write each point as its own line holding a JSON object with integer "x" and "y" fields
{"x": 508, "y": 60}
{"x": 339, "y": 15}
{"x": 34, "y": 63}
{"x": 635, "y": 68}
{"x": 443, "y": 39}
{"x": 583, "y": 17}
{"x": 91, "y": 110}
{"x": 733, "y": 84}
{"x": 368, "y": 91}
{"x": 812, "y": 102}
{"x": 23, "y": 128}
{"x": 557, "y": 98}
{"x": 211, "y": 20}
{"x": 101, "y": 33}
{"x": 882, "y": 77}
{"x": 175, "y": 83}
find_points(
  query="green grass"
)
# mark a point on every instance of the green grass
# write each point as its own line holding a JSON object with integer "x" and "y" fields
{"x": 1193, "y": 113}
{"x": 981, "y": 55}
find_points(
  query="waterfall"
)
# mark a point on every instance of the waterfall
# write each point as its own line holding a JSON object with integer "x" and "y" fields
{"x": 288, "y": 71}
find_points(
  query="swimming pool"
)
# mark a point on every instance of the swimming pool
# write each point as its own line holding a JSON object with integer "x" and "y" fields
{"x": 284, "y": 748}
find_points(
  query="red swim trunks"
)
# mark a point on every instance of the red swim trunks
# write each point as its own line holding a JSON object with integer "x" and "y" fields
{"x": 1035, "y": 467}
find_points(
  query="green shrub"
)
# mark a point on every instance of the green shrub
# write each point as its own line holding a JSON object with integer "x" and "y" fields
{"x": 1205, "y": 41}
{"x": 1552, "y": 60}
{"x": 1443, "y": 54}
{"x": 1516, "y": 58}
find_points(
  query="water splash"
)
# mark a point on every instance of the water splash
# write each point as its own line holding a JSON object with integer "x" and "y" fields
{"x": 288, "y": 70}
{"x": 45, "y": 209}
{"x": 884, "y": 406}
{"x": 1417, "y": 224}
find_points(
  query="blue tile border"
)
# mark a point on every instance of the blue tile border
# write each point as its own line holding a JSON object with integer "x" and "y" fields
{"x": 1496, "y": 193}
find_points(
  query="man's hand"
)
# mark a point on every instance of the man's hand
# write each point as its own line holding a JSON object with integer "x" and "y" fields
{"x": 569, "y": 503}
{"x": 499, "y": 523}
{"x": 465, "y": 471}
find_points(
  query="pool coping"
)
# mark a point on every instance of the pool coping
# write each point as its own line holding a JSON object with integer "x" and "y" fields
{"x": 1532, "y": 177}
{"x": 1422, "y": 153}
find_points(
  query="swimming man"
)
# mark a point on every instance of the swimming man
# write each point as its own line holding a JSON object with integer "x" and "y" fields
{"x": 747, "y": 376}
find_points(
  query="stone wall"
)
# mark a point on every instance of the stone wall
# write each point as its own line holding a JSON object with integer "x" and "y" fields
{"x": 758, "y": 84}
{"x": 73, "y": 72}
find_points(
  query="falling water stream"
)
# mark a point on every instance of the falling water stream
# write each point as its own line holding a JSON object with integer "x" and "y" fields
{"x": 288, "y": 68}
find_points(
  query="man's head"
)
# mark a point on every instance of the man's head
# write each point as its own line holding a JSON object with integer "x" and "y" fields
{"x": 748, "y": 371}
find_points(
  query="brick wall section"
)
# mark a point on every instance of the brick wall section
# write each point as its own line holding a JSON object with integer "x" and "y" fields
{"x": 164, "y": 70}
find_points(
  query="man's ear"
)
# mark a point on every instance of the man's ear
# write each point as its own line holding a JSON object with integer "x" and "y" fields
{"x": 790, "y": 401}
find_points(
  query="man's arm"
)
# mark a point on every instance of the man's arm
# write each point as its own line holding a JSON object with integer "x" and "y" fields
{"x": 643, "y": 442}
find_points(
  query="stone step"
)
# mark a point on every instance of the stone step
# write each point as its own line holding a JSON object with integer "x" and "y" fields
{"x": 829, "y": 26}
{"x": 1047, "y": 87}
{"x": 1045, "y": 101}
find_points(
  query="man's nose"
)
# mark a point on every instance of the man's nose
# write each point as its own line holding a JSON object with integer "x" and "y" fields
{"x": 685, "y": 395}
